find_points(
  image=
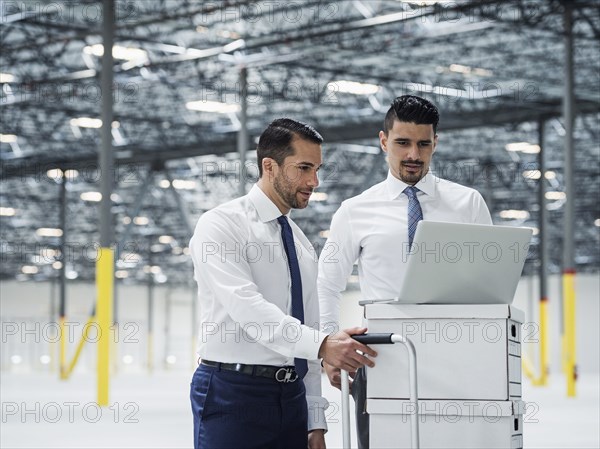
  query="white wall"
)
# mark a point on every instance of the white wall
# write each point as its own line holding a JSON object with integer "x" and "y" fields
{"x": 23, "y": 304}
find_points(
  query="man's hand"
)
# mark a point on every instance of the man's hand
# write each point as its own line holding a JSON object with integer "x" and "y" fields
{"x": 335, "y": 377}
{"x": 316, "y": 439}
{"x": 340, "y": 350}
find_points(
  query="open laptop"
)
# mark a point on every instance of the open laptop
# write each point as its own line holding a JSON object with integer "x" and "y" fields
{"x": 457, "y": 263}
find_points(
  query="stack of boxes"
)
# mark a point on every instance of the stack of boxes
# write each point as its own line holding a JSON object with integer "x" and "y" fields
{"x": 469, "y": 376}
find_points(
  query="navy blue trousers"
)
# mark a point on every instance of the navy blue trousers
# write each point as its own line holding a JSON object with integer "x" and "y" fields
{"x": 238, "y": 411}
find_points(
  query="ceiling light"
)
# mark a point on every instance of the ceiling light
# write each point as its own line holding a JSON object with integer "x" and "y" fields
{"x": 550, "y": 175}
{"x": 324, "y": 234}
{"x": 523, "y": 147}
{"x": 212, "y": 106}
{"x": 597, "y": 222}
{"x": 118, "y": 52}
{"x": 369, "y": 149}
{"x": 512, "y": 214}
{"x": 319, "y": 196}
{"x": 8, "y": 138}
{"x": 184, "y": 185}
{"x": 177, "y": 250}
{"x": 71, "y": 274}
{"x": 29, "y": 269}
{"x": 536, "y": 231}
{"x": 126, "y": 220}
{"x": 352, "y": 87}
{"x": 155, "y": 269}
{"x": 141, "y": 221}
{"x": 420, "y": 2}
{"x": 71, "y": 174}
{"x": 165, "y": 239}
{"x": 49, "y": 232}
{"x": 465, "y": 69}
{"x": 235, "y": 45}
{"x": 459, "y": 68}
{"x": 482, "y": 72}
{"x": 556, "y": 195}
{"x": 121, "y": 274}
{"x": 91, "y": 196}
{"x": 55, "y": 173}
{"x": 7, "y": 211}
{"x": 532, "y": 174}
{"x": 186, "y": 251}
{"x": 6, "y": 78}
{"x": 57, "y": 265}
{"x": 86, "y": 122}
{"x": 164, "y": 183}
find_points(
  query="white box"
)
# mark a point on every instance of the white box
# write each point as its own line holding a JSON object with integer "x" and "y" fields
{"x": 463, "y": 351}
{"x": 447, "y": 424}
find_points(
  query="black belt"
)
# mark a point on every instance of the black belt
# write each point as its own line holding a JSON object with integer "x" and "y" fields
{"x": 283, "y": 374}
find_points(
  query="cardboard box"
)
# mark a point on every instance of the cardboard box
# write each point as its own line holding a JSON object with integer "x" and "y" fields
{"x": 447, "y": 424}
{"x": 466, "y": 352}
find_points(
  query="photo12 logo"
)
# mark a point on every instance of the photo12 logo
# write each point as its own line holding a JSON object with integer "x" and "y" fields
{"x": 71, "y": 412}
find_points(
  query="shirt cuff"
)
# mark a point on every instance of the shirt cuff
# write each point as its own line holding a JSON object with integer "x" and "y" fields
{"x": 316, "y": 412}
{"x": 309, "y": 342}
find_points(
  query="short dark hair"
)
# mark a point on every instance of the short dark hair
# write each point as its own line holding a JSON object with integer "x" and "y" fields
{"x": 411, "y": 109}
{"x": 275, "y": 141}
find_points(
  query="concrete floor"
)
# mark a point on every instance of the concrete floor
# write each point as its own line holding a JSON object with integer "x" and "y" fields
{"x": 152, "y": 411}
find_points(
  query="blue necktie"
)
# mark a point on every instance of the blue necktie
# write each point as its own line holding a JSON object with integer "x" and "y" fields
{"x": 415, "y": 214}
{"x": 297, "y": 304}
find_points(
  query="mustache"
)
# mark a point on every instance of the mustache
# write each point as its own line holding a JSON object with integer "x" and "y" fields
{"x": 421, "y": 163}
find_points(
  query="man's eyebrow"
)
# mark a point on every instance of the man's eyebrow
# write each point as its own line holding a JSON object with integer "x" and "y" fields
{"x": 308, "y": 163}
{"x": 397, "y": 139}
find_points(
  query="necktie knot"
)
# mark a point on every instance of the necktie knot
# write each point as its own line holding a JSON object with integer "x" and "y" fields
{"x": 411, "y": 191}
{"x": 282, "y": 220}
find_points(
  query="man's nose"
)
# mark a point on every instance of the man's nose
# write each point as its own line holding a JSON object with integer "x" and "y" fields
{"x": 314, "y": 180}
{"x": 413, "y": 152}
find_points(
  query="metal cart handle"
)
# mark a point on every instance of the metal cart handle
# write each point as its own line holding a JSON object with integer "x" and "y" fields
{"x": 373, "y": 339}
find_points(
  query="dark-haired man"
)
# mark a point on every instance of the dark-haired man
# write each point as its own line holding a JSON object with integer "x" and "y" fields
{"x": 258, "y": 384}
{"x": 376, "y": 228}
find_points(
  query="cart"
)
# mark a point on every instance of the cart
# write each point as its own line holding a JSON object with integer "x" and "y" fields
{"x": 378, "y": 339}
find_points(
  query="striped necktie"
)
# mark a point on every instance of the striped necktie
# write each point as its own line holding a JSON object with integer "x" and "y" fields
{"x": 415, "y": 214}
{"x": 297, "y": 304}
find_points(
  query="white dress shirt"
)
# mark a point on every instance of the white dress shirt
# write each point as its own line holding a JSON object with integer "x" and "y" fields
{"x": 373, "y": 228}
{"x": 244, "y": 290}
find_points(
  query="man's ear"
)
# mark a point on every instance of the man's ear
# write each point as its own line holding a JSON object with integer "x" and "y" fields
{"x": 383, "y": 141}
{"x": 268, "y": 165}
{"x": 435, "y": 142}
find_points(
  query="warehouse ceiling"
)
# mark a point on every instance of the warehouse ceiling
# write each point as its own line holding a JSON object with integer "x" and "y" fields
{"x": 495, "y": 69}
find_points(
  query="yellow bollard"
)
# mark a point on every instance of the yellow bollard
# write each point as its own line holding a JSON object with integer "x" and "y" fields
{"x": 104, "y": 289}
{"x": 569, "y": 325}
{"x": 543, "y": 380}
{"x": 62, "y": 349}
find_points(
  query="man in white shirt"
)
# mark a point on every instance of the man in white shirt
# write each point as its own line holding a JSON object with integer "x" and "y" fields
{"x": 258, "y": 384}
{"x": 376, "y": 227}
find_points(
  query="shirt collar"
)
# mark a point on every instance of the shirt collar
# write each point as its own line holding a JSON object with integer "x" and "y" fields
{"x": 395, "y": 186}
{"x": 267, "y": 210}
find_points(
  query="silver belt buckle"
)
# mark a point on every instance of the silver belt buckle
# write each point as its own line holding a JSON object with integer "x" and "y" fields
{"x": 286, "y": 375}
